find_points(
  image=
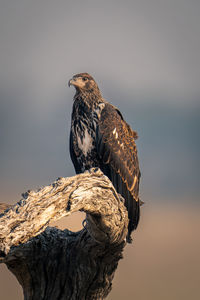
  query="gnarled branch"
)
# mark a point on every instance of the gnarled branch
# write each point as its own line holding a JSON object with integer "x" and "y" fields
{"x": 54, "y": 264}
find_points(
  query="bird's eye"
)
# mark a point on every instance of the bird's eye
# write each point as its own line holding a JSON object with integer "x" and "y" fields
{"x": 84, "y": 78}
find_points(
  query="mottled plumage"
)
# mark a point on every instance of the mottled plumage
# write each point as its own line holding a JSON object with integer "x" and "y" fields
{"x": 101, "y": 138}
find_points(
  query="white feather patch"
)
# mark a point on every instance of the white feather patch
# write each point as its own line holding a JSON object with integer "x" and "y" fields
{"x": 115, "y": 133}
{"x": 86, "y": 143}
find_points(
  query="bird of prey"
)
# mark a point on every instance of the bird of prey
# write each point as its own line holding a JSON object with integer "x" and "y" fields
{"x": 100, "y": 137}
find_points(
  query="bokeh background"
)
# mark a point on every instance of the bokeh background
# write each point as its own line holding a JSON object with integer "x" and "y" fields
{"x": 145, "y": 56}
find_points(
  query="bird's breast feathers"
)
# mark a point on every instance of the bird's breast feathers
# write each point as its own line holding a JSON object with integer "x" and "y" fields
{"x": 85, "y": 141}
{"x": 85, "y": 129}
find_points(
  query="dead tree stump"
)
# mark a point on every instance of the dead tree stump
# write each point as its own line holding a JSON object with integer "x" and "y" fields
{"x": 52, "y": 264}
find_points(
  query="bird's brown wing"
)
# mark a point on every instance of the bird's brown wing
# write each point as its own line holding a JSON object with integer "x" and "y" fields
{"x": 118, "y": 154}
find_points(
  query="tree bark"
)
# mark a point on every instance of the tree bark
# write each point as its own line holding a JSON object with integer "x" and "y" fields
{"x": 53, "y": 264}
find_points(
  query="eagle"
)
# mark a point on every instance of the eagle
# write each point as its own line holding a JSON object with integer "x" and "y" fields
{"x": 100, "y": 137}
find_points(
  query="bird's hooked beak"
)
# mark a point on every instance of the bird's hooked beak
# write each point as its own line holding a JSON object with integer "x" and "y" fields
{"x": 77, "y": 82}
{"x": 71, "y": 82}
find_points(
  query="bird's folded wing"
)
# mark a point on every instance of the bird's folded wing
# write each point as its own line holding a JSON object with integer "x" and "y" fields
{"x": 116, "y": 148}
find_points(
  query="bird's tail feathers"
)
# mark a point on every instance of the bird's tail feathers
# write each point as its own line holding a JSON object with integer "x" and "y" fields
{"x": 133, "y": 208}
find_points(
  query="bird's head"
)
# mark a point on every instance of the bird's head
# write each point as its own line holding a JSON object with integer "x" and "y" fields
{"x": 84, "y": 83}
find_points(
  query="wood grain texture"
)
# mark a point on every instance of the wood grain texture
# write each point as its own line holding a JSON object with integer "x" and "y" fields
{"x": 53, "y": 264}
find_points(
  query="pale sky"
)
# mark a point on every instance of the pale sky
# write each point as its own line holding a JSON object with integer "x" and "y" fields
{"x": 144, "y": 55}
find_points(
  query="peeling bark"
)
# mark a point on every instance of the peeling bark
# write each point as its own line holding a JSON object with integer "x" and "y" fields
{"x": 53, "y": 264}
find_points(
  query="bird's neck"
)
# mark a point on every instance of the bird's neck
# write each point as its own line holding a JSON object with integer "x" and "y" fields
{"x": 89, "y": 99}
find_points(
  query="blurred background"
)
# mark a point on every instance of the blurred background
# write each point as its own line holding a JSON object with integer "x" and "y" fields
{"x": 144, "y": 55}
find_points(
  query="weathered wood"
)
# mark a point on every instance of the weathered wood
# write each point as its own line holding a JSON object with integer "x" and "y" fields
{"x": 53, "y": 264}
